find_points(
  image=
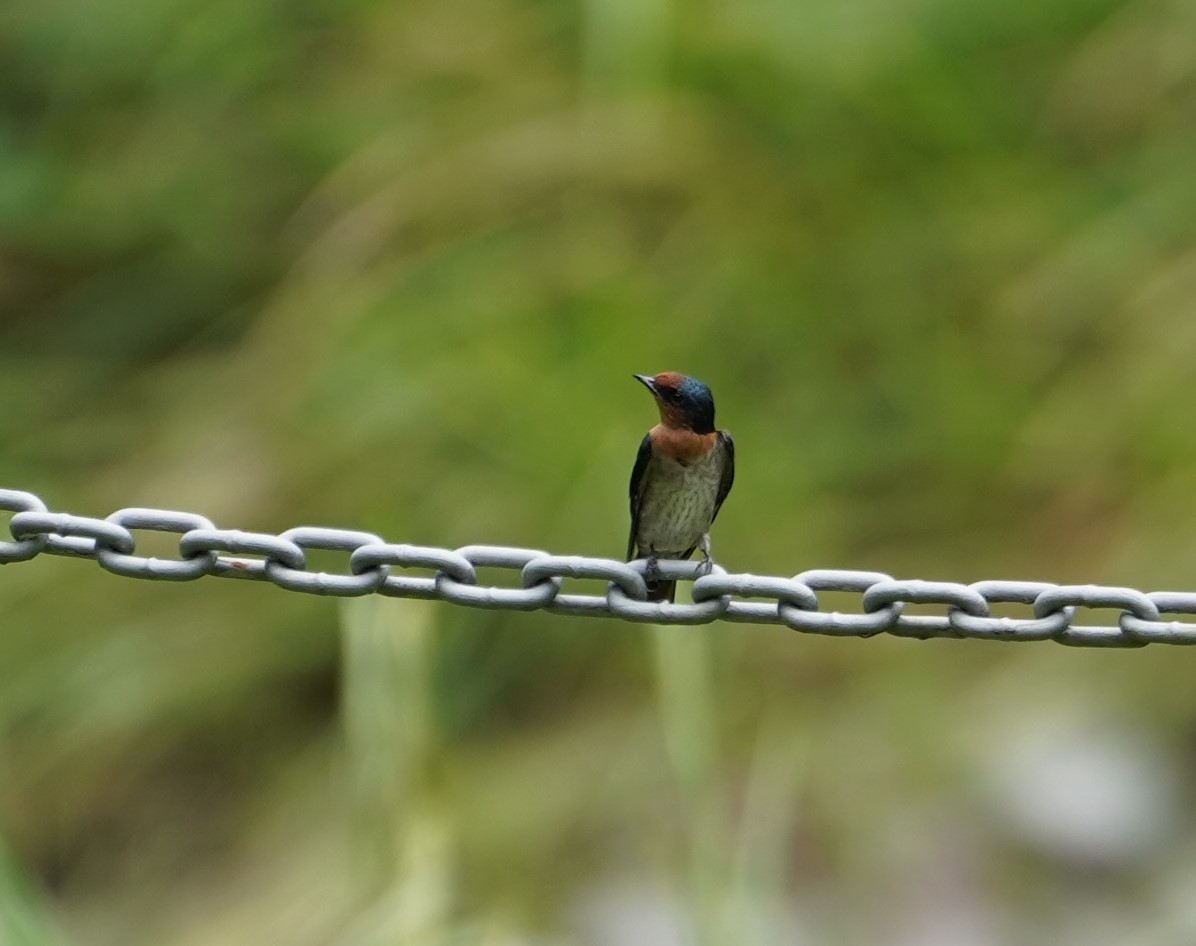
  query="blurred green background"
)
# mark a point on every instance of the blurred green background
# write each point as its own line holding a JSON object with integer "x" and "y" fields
{"x": 390, "y": 266}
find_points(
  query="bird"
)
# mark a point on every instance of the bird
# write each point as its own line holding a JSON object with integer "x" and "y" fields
{"x": 682, "y": 474}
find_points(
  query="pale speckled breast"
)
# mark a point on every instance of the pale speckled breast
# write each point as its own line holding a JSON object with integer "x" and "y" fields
{"x": 678, "y": 502}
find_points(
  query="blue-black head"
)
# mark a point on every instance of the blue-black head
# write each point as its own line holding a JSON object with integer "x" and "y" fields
{"x": 684, "y": 402}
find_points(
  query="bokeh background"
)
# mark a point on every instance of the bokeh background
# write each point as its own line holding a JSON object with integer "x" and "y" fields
{"x": 390, "y": 266}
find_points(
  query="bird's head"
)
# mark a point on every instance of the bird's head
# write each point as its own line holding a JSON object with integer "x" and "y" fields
{"x": 685, "y": 403}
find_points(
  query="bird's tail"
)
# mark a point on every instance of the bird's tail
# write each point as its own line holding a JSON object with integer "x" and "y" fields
{"x": 662, "y": 590}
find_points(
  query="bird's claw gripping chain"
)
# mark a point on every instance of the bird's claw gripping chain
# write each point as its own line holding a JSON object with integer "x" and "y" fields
{"x": 378, "y": 567}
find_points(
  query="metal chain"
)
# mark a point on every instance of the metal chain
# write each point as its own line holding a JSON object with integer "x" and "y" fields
{"x": 374, "y": 567}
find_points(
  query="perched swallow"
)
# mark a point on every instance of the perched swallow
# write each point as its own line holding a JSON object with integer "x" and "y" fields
{"x": 682, "y": 474}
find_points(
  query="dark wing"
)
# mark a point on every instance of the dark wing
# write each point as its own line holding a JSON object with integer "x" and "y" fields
{"x": 636, "y": 490}
{"x": 728, "y": 478}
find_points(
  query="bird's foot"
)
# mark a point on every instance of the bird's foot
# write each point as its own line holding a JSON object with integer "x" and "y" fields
{"x": 707, "y": 564}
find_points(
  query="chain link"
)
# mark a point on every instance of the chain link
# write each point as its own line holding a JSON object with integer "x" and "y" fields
{"x": 539, "y": 581}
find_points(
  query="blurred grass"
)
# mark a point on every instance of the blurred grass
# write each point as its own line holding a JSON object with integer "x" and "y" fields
{"x": 390, "y": 266}
{"x": 402, "y": 838}
{"x": 23, "y": 913}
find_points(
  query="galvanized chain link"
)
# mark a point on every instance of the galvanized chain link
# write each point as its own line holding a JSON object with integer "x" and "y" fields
{"x": 377, "y": 567}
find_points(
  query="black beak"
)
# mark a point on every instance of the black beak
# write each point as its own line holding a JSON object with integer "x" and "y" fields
{"x": 646, "y": 381}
